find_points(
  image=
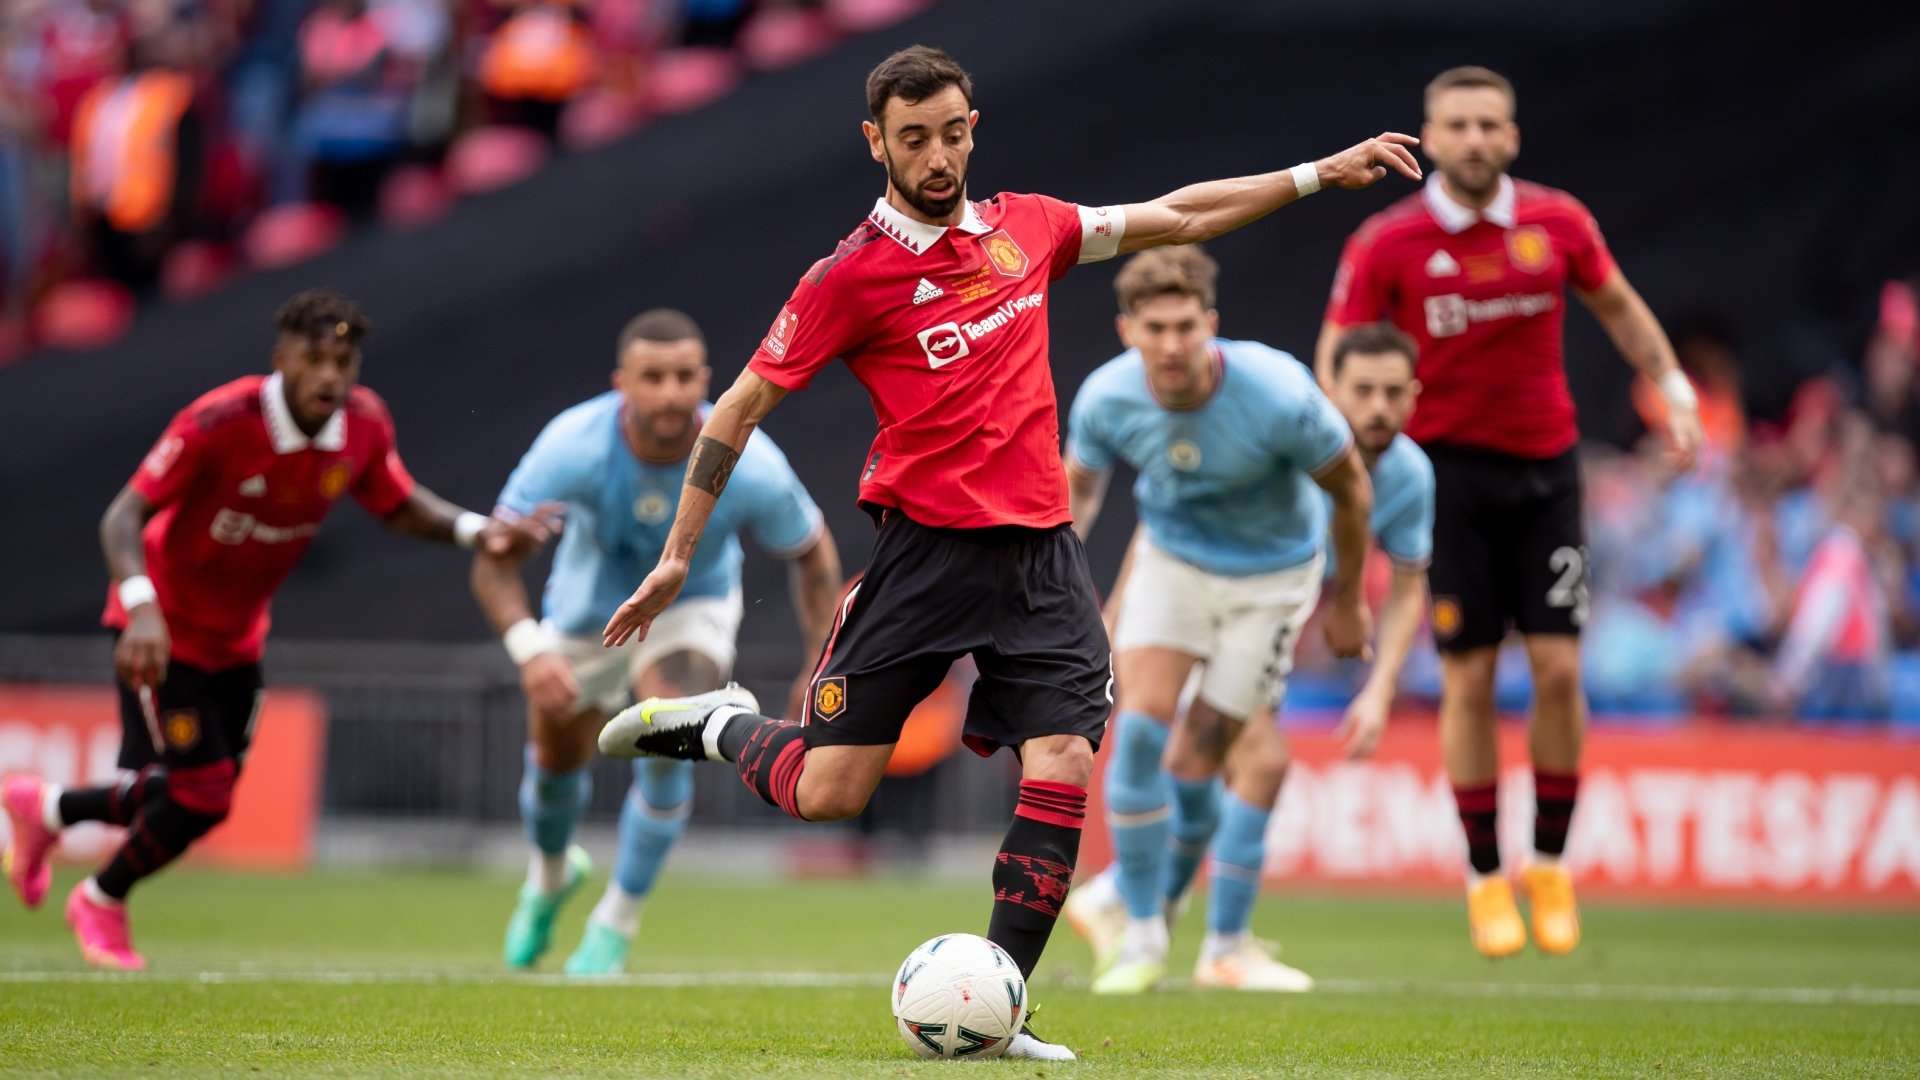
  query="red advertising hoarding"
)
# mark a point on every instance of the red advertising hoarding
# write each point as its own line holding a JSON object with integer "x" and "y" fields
{"x": 1695, "y": 812}
{"x": 71, "y": 735}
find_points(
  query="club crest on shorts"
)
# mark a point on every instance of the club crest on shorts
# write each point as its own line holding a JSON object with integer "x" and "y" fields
{"x": 830, "y": 697}
{"x": 1006, "y": 255}
{"x": 1529, "y": 248}
{"x": 1446, "y": 617}
{"x": 181, "y": 728}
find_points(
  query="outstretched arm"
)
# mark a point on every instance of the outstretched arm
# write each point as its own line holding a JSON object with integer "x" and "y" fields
{"x": 722, "y": 437}
{"x": 429, "y": 517}
{"x": 1203, "y": 211}
{"x": 1637, "y": 334}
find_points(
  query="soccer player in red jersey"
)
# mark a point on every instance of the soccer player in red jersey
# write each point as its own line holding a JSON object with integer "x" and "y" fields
{"x": 196, "y": 543}
{"x": 1476, "y": 267}
{"x": 938, "y": 305}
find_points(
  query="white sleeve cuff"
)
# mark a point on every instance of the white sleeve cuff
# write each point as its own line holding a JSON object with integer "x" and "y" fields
{"x": 1101, "y": 228}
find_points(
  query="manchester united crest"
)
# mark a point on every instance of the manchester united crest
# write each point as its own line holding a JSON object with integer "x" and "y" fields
{"x": 181, "y": 728}
{"x": 333, "y": 482}
{"x": 830, "y": 697}
{"x": 1005, "y": 255}
{"x": 1446, "y": 617}
{"x": 1530, "y": 248}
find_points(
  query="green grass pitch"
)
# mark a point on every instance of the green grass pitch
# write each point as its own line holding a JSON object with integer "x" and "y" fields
{"x": 375, "y": 974}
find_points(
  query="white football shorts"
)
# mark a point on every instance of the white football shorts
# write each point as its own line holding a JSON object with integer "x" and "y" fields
{"x": 705, "y": 625}
{"x": 1243, "y": 629}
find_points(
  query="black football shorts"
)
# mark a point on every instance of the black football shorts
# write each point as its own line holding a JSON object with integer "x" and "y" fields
{"x": 1509, "y": 547}
{"x": 196, "y": 717}
{"x": 1019, "y": 601}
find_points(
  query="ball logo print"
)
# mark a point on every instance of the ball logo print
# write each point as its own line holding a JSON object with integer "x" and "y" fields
{"x": 943, "y": 344}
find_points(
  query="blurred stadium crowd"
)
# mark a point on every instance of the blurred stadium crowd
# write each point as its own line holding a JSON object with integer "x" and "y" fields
{"x": 159, "y": 146}
{"x": 164, "y": 144}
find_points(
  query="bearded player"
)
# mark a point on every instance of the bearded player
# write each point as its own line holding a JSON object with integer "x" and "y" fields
{"x": 938, "y": 305}
{"x": 1475, "y": 267}
{"x": 196, "y": 543}
{"x": 616, "y": 462}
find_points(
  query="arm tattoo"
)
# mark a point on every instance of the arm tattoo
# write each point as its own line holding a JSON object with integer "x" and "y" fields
{"x": 712, "y": 463}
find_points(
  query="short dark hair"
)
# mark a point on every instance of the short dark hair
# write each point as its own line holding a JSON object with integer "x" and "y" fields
{"x": 1373, "y": 339}
{"x": 322, "y": 315}
{"x": 1469, "y": 77}
{"x": 915, "y": 74}
{"x": 659, "y": 324}
{"x": 1180, "y": 270}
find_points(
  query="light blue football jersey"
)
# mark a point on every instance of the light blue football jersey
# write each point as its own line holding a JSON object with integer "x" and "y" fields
{"x": 1227, "y": 485}
{"x": 620, "y": 508}
{"x": 1402, "y": 520}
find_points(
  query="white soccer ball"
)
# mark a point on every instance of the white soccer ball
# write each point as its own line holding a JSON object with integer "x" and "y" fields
{"x": 959, "y": 996}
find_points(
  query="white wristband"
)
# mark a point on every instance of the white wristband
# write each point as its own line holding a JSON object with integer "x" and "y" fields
{"x": 467, "y": 527}
{"x": 525, "y": 640}
{"x": 1306, "y": 178}
{"x": 135, "y": 591}
{"x": 1679, "y": 392}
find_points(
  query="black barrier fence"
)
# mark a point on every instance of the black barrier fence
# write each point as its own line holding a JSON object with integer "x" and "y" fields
{"x": 430, "y": 731}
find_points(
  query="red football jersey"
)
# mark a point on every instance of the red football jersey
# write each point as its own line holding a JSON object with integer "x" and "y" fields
{"x": 240, "y": 491}
{"x": 1484, "y": 294}
{"x": 947, "y": 329}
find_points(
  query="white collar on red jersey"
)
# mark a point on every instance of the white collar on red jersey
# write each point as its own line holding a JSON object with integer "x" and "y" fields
{"x": 1455, "y": 218}
{"x": 286, "y": 436}
{"x": 918, "y": 236}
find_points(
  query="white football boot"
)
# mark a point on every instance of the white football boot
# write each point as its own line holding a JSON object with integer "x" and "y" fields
{"x": 1247, "y": 964}
{"x": 673, "y": 727}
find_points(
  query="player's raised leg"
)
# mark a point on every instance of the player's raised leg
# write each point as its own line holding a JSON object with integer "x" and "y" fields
{"x": 1558, "y": 729}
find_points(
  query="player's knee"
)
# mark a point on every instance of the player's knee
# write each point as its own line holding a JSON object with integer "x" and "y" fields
{"x": 1266, "y": 761}
{"x": 1556, "y": 675}
{"x": 1138, "y": 743}
{"x": 1159, "y": 703}
{"x": 203, "y": 792}
{"x": 1468, "y": 679}
{"x": 662, "y": 784}
{"x": 837, "y": 802}
{"x": 1060, "y": 759}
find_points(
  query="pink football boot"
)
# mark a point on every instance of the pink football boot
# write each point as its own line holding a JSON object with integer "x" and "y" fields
{"x": 101, "y": 929}
{"x": 26, "y": 856}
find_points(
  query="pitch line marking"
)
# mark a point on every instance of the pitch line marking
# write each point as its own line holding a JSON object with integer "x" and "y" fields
{"x": 827, "y": 980}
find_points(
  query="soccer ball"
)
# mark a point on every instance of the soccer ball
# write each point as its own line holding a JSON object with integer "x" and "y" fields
{"x": 959, "y": 996}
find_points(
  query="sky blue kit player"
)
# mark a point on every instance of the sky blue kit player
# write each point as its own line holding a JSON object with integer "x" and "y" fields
{"x": 617, "y": 463}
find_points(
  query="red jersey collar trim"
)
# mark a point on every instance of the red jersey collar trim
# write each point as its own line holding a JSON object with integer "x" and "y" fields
{"x": 918, "y": 236}
{"x": 286, "y": 436}
{"x": 1454, "y": 218}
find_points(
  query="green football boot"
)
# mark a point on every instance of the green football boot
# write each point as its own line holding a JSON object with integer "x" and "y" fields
{"x": 603, "y": 951}
{"x": 530, "y": 931}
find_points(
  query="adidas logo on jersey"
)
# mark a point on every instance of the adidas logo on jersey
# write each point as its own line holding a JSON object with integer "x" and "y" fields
{"x": 253, "y": 487}
{"x": 1442, "y": 265}
{"x": 926, "y": 291}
